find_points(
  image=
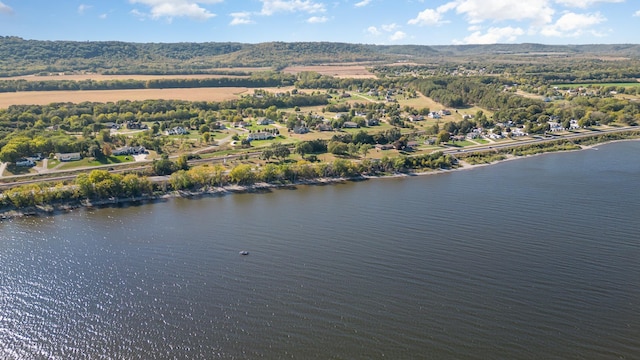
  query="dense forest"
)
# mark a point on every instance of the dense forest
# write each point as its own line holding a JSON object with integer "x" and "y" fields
{"x": 21, "y": 57}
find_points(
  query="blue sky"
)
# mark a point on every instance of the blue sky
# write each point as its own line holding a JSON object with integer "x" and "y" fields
{"x": 424, "y": 22}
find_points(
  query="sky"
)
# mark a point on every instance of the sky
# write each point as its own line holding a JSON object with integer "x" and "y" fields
{"x": 388, "y": 22}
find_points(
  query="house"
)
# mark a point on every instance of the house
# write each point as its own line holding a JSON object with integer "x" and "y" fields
{"x": 264, "y": 121}
{"x": 411, "y": 145}
{"x": 260, "y": 136}
{"x": 25, "y": 163}
{"x": 384, "y": 146}
{"x": 350, "y": 125}
{"x": 178, "y": 130}
{"x": 573, "y": 124}
{"x": 555, "y": 126}
{"x": 301, "y": 130}
{"x": 373, "y": 122}
{"x": 518, "y": 132}
{"x": 111, "y": 125}
{"x": 240, "y": 124}
{"x": 324, "y": 127}
{"x": 64, "y": 157}
{"x": 472, "y": 135}
{"x": 434, "y": 115}
{"x": 444, "y": 112}
{"x": 130, "y": 150}
{"x": 136, "y": 125}
{"x": 415, "y": 118}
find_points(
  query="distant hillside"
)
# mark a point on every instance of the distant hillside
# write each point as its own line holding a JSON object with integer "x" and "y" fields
{"x": 20, "y": 57}
{"x": 630, "y": 50}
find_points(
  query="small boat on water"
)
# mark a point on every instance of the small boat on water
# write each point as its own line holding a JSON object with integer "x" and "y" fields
{"x": 244, "y": 252}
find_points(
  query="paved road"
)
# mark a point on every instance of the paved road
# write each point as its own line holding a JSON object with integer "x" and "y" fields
{"x": 496, "y": 146}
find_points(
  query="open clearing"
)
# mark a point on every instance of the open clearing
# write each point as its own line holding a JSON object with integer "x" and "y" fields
{"x": 339, "y": 71}
{"x": 47, "y": 97}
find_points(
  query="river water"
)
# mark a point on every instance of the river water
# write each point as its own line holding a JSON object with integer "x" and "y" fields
{"x": 531, "y": 259}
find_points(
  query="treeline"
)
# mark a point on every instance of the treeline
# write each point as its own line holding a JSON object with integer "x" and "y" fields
{"x": 206, "y": 176}
{"x": 314, "y": 80}
{"x": 102, "y": 185}
{"x": 256, "y": 80}
{"x": 96, "y": 185}
{"x": 482, "y": 91}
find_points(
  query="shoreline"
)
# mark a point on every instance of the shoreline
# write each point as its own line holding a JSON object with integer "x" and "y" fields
{"x": 55, "y": 209}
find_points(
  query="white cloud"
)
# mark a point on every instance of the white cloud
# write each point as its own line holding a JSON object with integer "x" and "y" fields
{"x": 389, "y": 27}
{"x": 374, "y": 31}
{"x": 398, "y": 35}
{"x": 637, "y": 13}
{"x": 478, "y": 11}
{"x": 571, "y": 24}
{"x": 102, "y": 16}
{"x": 4, "y": 9}
{"x": 432, "y": 17}
{"x": 82, "y": 8}
{"x": 270, "y": 7}
{"x": 176, "y": 8}
{"x": 583, "y": 4}
{"x": 241, "y": 18}
{"x": 363, "y": 3}
{"x": 317, "y": 19}
{"x": 493, "y": 35}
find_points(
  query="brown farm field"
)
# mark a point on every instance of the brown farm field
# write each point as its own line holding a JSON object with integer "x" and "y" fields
{"x": 101, "y": 77}
{"x": 339, "y": 71}
{"x": 47, "y": 97}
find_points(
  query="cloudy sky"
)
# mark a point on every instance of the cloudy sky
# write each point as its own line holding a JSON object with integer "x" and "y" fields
{"x": 425, "y": 22}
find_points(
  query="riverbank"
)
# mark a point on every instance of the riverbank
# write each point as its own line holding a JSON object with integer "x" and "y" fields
{"x": 67, "y": 206}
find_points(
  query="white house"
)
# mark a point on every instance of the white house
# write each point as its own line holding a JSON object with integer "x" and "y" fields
{"x": 555, "y": 126}
{"x": 260, "y": 136}
{"x": 178, "y": 130}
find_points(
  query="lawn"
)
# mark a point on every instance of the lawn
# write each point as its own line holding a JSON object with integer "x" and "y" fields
{"x": 89, "y": 162}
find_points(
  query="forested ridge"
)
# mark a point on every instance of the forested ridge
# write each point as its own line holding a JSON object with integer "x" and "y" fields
{"x": 21, "y": 57}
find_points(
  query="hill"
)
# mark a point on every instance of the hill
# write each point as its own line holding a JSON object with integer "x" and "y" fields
{"x": 22, "y": 57}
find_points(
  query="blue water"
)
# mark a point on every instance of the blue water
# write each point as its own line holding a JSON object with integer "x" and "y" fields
{"x": 531, "y": 259}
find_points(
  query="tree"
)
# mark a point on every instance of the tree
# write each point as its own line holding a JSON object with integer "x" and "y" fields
{"x": 106, "y": 150}
{"x": 163, "y": 166}
{"x": 337, "y": 148}
{"x": 280, "y": 151}
{"x": 443, "y": 137}
{"x": 206, "y": 137}
{"x": 95, "y": 151}
{"x": 303, "y": 148}
{"x": 364, "y": 149}
{"x": 182, "y": 163}
{"x": 242, "y": 175}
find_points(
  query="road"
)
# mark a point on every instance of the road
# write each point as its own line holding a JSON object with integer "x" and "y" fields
{"x": 496, "y": 146}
